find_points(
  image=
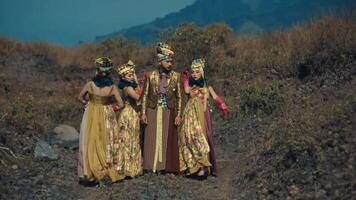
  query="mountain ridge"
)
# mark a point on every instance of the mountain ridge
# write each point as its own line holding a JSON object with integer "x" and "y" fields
{"x": 244, "y": 16}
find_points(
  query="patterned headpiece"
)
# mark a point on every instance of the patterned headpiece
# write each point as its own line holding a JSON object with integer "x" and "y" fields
{"x": 198, "y": 64}
{"x": 124, "y": 69}
{"x": 164, "y": 52}
{"x": 103, "y": 64}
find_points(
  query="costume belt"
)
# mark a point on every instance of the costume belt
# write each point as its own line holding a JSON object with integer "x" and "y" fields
{"x": 163, "y": 101}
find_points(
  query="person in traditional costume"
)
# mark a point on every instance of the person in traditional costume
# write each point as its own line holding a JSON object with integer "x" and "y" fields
{"x": 97, "y": 143}
{"x": 161, "y": 111}
{"x": 129, "y": 156}
{"x": 196, "y": 146}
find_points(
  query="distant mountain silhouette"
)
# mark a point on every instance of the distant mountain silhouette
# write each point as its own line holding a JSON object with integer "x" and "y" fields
{"x": 244, "y": 16}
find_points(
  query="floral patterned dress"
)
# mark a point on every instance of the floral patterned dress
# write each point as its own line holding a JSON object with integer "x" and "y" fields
{"x": 129, "y": 157}
{"x": 194, "y": 147}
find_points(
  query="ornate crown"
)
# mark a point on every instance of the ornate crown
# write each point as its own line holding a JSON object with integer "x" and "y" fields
{"x": 198, "y": 64}
{"x": 129, "y": 67}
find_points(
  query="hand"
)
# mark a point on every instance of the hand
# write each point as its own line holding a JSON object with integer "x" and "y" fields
{"x": 185, "y": 74}
{"x": 139, "y": 91}
{"x": 178, "y": 121}
{"x": 224, "y": 109}
{"x": 84, "y": 102}
{"x": 142, "y": 79}
{"x": 115, "y": 107}
{"x": 144, "y": 119}
{"x": 222, "y": 105}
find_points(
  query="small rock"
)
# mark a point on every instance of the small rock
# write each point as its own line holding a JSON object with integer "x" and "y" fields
{"x": 44, "y": 150}
{"x": 66, "y": 136}
{"x": 66, "y": 133}
{"x": 14, "y": 167}
{"x": 293, "y": 190}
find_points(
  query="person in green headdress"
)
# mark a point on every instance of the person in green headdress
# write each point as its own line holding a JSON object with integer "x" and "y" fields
{"x": 98, "y": 144}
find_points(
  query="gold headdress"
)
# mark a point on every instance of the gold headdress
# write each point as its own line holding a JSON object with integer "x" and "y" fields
{"x": 124, "y": 69}
{"x": 198, "y": 64}
{"x": 103, "y": 64}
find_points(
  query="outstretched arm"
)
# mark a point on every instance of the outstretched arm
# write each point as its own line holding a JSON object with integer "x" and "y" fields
{"x": 219, "y": 101}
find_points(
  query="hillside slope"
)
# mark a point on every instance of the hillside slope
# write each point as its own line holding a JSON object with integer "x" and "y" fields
{"x": 248, "y": 17}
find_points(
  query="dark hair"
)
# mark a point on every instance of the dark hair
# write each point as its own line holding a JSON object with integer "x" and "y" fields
{"x": 124, "y": 83}
{"x": 200, "y": 82}
{"x": 102, "y": 81}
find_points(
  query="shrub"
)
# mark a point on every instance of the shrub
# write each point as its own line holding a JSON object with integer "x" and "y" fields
{"x": 21, "y": 113}
{"x": 258, "y": 99}
{"x": 190, "y": 41}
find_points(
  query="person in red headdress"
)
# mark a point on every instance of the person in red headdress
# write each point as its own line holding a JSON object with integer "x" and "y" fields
{"x": 196, "y": 146}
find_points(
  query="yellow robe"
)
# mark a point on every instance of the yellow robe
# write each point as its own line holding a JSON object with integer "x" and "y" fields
{"x": 98, "y": 142}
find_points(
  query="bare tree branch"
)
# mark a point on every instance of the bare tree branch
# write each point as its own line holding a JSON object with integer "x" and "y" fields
{"x": 11, "y": 153}
{"x": 2, "y": 162}
{"x": 3, "y": 117}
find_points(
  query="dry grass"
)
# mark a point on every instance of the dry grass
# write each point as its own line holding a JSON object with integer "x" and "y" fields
{"x": 317, "y": 51}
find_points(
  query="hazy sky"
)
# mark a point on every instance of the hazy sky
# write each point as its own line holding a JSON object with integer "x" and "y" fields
{"x": 69, "y": 21}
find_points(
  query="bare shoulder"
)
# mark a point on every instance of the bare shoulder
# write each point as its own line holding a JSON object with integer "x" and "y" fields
{"x": 89, "y": 83}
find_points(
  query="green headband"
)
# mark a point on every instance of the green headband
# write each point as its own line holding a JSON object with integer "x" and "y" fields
{"x": 103, "y": 64}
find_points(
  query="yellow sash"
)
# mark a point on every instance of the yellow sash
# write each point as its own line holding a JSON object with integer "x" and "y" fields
{"x": 158, "y": 150}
